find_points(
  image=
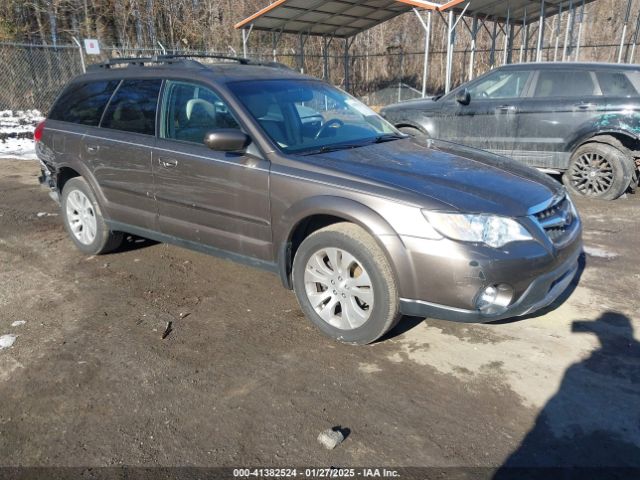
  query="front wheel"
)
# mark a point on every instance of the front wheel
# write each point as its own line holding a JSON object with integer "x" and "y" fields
{"x": 598, "y": 170}
{"x": 345, "y": 285}
{"x": 83, "y": 219}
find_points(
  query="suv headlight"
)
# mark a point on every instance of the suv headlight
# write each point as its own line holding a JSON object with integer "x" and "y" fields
{"x": 491, "y": 230}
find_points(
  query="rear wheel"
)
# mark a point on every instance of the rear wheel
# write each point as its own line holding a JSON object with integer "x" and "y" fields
{"x": 598, "y": 170}
{"x": 83, "y": 219}
{"x": 345, "y": 285}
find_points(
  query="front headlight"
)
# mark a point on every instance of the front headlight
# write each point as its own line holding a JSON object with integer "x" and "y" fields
{"x": 488, "y": 229}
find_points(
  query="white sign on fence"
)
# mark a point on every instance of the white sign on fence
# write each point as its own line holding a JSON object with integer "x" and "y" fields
{"x": 91, "y": 46}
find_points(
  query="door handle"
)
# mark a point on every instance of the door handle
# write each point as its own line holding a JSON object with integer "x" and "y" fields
{"x": 585, "y": 106}
{"x": 506, "y": 109}
{"x": 92, "y": 148}
{"x": 168, "y": 162}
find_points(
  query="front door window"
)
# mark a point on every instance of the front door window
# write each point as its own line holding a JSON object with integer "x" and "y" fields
{"x": 191, "y": 111}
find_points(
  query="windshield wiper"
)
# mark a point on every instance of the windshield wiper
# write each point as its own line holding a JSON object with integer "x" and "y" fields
{"x": 389, "y": 137}
{"x": 333, "y": 148}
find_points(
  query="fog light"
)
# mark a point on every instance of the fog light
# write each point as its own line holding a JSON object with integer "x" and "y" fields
{"x": 494, "y": 299}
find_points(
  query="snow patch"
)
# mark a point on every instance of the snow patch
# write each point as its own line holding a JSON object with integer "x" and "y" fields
{"x": 6, "y": 341}
{"x": 599, "y": 252}
{"x": 16, "y": 133}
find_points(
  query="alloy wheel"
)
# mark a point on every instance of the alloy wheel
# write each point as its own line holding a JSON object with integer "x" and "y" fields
{"x": 339, "y": 288}
{"x": 81, "y": 217}
{"x": 591, "y": 174}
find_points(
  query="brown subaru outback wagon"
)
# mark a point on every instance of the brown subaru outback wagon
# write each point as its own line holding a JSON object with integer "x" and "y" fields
{"x": 262, "y": 165}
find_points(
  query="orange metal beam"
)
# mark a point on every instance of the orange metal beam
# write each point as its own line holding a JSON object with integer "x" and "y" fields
{"x": 413, "y": 3}
{"x": 259, "y": 13}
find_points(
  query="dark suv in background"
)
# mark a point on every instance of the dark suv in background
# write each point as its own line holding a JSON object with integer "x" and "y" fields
{"x": 282, "y": 171}
{"x": 581, "y": 119}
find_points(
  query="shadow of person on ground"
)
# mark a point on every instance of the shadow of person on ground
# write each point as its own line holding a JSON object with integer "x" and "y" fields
{"x": 594, "y": 418}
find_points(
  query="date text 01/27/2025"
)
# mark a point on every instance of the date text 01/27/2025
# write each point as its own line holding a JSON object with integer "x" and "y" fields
{"x": 315, "y": 473}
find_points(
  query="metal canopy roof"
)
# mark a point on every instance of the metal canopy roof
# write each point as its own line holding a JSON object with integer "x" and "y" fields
{"x": 338, "y": 18}
{"x": 346, "y": 18}
{"x": 517, "y": 11}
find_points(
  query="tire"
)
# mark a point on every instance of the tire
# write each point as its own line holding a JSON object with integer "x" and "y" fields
{"x": 598, "y": 170}
{"x": 414, "y": 132}
{"x": 83, "y": 219}
{"x": 354, "y": 318}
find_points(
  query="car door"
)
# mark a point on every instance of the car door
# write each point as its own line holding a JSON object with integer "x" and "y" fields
{"x": 120, "y": 153}
{"x": 559, "y": 101}
{"x": 206, "y": 197}
{"x": 489, "y": 121}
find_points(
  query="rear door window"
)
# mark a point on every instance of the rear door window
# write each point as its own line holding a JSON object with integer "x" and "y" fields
{"x": 83, "y": 103}
{"x": 191, "y": 111}
{"x": 615, "y": 84}
{"x": 133, "y": 107}
{"x": 555, "y": 83}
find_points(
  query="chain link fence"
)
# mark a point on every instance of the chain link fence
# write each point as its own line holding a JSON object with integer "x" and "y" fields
{"x": 35, "y": 74}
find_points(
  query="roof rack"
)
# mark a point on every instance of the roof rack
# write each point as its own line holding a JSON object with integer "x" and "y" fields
{"x": 243, "y": 61}
{"x": 182, "y": 58}
{"x": 140, "y": 61}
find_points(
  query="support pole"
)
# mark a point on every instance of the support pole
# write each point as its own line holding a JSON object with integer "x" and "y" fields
{"x": 492, "y": 52}
{"x": 427, "y": 45}
{"x": 525, "y": 36}
{"x": 82, "y": 64}
{"x": 624, "y": 31}
{"x": 346, "y": 64}
{"x": 245, "y": 40}
{"x": 325, "y": 58}
{"x": 450, "y": 42}
{"x": 540, "y": 44}
{"x": 507, "y": 34}
{"x": 566, "y": 32}
{"x": 474, "y": 37}
{"x": 301, "y": 53}
{"x": 274, "y": 45}
{"x": 580, "y": 26}
{"x": 557, "y": 33}
{"x": 635, "y": 40}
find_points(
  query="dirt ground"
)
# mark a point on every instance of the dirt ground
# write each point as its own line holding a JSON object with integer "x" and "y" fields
{"x": 244, "y": 380}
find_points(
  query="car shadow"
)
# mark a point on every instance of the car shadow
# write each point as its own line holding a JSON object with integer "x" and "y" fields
{"x": 132, "y": 243}
{"x": 590, "y": 428}
{"x": 404, "y": 325}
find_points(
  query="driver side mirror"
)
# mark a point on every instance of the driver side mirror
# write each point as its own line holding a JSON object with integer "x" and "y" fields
{"x": 463, "y": 97}
{"x": 227, "y": 140}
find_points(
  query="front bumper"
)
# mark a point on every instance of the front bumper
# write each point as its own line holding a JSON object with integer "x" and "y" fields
{"x": 542, "y": 291}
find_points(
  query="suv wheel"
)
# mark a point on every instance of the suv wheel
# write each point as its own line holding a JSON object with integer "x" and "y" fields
{"x": 83, "y": 219}
{"x": 598, "y": 170}
{"x": 345, "y": 285}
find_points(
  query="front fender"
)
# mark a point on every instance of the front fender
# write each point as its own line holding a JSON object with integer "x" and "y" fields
{"x": 351, "y": 211}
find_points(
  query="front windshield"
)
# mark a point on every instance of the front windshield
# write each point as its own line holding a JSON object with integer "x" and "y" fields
{"x": 307, "y": 116}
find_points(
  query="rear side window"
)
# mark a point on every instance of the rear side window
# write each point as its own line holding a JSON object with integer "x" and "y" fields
{"x": 615, "y": 84}
{"x": 133, "y": 107}
{"x": 564, "y": 84}
{"x": 83, "y": 103}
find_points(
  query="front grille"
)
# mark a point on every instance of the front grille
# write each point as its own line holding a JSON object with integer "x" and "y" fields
{"x": 558, "y": 220}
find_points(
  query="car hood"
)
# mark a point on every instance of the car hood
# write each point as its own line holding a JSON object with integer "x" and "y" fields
{"x": 446, "y": 176}
{"x": 418, "y": 104}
